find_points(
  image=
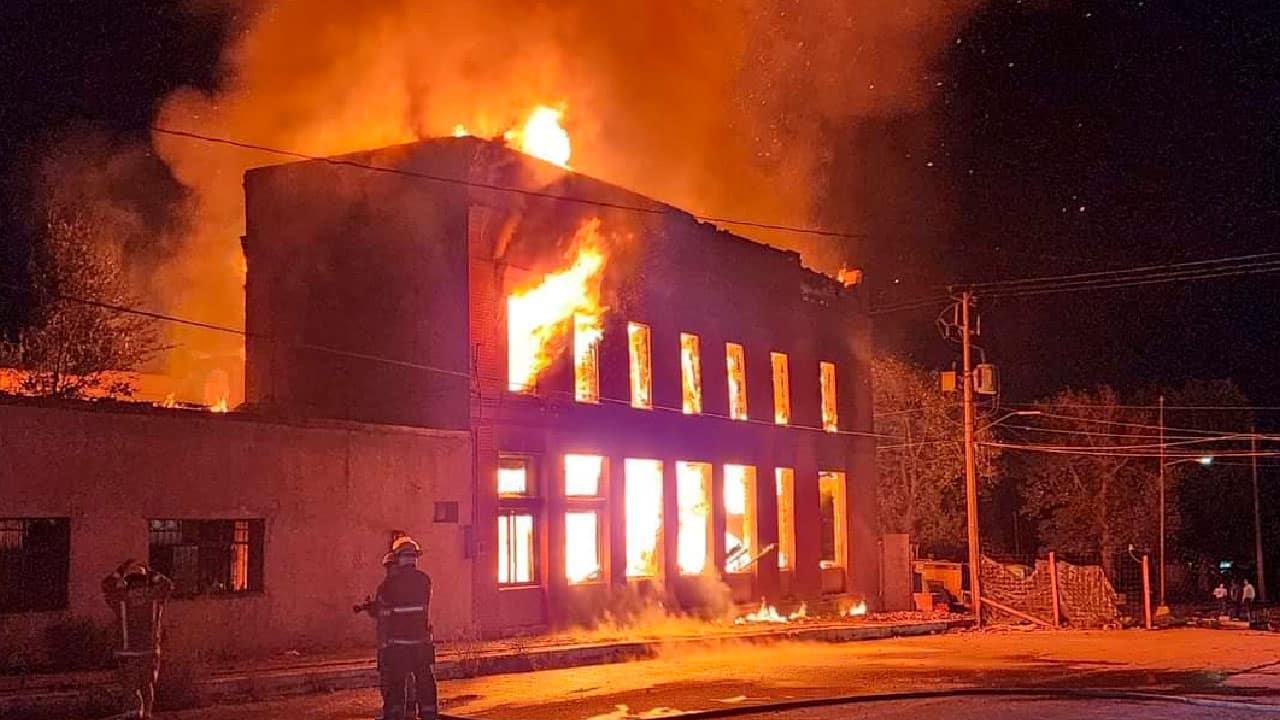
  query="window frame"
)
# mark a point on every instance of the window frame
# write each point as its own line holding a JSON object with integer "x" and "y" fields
{"x": 640, "y": 365}
{"x": 586, "y": 386}
{"x": 177, "y": 547}
{"x": 708, "y": 516}
{"x": 736, "y": 380}
{"x": 781, "y": 387}
{"x": 658, "y": 549}
{"x": 508, "y": 515}
{"x": 750, "y": 516}
{"x": 690, "y": 374}
{"x": 596, "y": 504}
{"x": 839, "y": 521}
{"x": 784, "y": 479}
{"x": 20, "y": 574}
{"x": 529, "y": 503}
{"x": 829, "y": 397}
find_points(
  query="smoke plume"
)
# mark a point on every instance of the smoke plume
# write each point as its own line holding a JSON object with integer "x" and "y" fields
{"x": 723, "y": 108}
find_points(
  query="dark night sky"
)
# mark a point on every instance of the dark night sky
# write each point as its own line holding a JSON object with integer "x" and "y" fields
{"x": 1073, "y": 137}
{"x": 1063, "y": 137}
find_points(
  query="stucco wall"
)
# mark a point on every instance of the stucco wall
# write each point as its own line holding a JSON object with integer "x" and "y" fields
{"x": 329, "y": 493}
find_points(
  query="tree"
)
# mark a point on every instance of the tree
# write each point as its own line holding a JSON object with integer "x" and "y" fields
{"x": 72, "y": 344}
{"x": 921, "y": 470}
{"x": 1091, "y": 474}
{"x": 1215, "y": 501}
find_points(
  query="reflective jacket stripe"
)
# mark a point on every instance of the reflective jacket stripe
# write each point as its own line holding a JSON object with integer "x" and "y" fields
{"x": 124, "y": 622}
{"x": 402, "y": 610}
{"x": 394, "y": 641}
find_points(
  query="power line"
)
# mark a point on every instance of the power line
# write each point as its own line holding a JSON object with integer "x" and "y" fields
{"x": 1140, "y": 446}
{"x": 1149, "y": 426}
{"x": 1004, "y": 284}
{"x": 1153, "y": 407}
{"x": 1240, "y": 265}
{"x": 664, "y": 209}
{"x": 1118, "y": 452}
{"x": 907, "y": 305}
{"x": 1259, "y": 269}
{"x": 1065, "y": 431}
{"x": 416, "y": 366}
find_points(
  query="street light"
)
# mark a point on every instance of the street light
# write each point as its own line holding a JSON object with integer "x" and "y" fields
{"x": 1006, "y": 416}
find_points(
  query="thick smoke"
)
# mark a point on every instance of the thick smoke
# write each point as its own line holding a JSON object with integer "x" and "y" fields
{"x": 724, "y": 108}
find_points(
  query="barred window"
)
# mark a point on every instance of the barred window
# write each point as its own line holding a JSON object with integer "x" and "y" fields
{"x": 208, "y": 557}
{"x": 35, "y": 562}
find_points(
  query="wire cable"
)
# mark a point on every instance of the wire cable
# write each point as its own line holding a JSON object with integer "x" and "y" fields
{"x": 545, "y": 394}
{"x": 660, "y": 209}
{"x": 1122, "y": 271}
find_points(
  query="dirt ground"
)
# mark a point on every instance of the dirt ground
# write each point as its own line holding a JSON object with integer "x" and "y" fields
{"x": 1235, "y": 665}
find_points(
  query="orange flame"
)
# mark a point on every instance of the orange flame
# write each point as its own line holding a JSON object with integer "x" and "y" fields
{"x": 769, "y": 614}
{"x": 857, "y": 609}
{"x": 220, "y": 406}
{"x": 536, "y": 318}
{"x": 542, "y": 136}
{"x": 643, "y": 503}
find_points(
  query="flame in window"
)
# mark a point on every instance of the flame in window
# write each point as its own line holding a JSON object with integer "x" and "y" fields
{"x": 582, "y": 546}
{"x": 781, "y": 388}
{"x": 643, "y": 503}
{"x": 537, "y": 317}
{"x": 830, "y": 416}
{"x": 690, "y": 375}
{"x": 735, "y": 360}
{"x": 693, "y": 492}
{"x": 641, "y": 366}
{"x": 586, "y": 357}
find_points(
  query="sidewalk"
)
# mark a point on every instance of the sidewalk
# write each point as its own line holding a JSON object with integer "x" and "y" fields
{"x": 72, "y": 694}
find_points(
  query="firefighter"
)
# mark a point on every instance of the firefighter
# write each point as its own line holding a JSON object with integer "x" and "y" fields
{"x": 137, "y": 595}
{"x": 403, "y": 604}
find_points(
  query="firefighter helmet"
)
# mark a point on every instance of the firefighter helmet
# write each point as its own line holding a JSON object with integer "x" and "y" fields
{"x": 132, "y": 568}
{"x": 406, "y": 546}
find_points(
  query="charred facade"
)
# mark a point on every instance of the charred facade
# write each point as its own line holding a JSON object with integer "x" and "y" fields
{"x": 696, "y": 410}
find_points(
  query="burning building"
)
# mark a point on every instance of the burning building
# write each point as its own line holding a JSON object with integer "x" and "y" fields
{"x": 579, "y": 400}
{"x": 655, "y": 404}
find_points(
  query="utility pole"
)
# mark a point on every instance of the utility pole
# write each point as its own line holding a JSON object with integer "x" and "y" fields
{"x": 970, "y": 465}
{"x": 1162, "y": 606}
{"x": 1257, "y": 518}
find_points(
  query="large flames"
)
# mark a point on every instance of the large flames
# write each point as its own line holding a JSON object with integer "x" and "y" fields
{"x": 542, "y": 136}
{"x": 643, "y": 504}
{"x": 537, "y": 317}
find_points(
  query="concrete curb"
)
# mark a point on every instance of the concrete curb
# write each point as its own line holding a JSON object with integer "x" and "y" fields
{"x": 63, "y": 696}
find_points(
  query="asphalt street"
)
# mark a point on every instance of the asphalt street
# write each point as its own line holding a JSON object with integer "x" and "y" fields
{"x": 1233, "y": 666}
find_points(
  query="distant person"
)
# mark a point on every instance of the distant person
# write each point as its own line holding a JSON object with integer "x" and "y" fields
{"x": 137, "y": 595}
{"x": 1247, "y": 596}
{"x": 1235, "y": 597}
{"x": 1220, "y": 594}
